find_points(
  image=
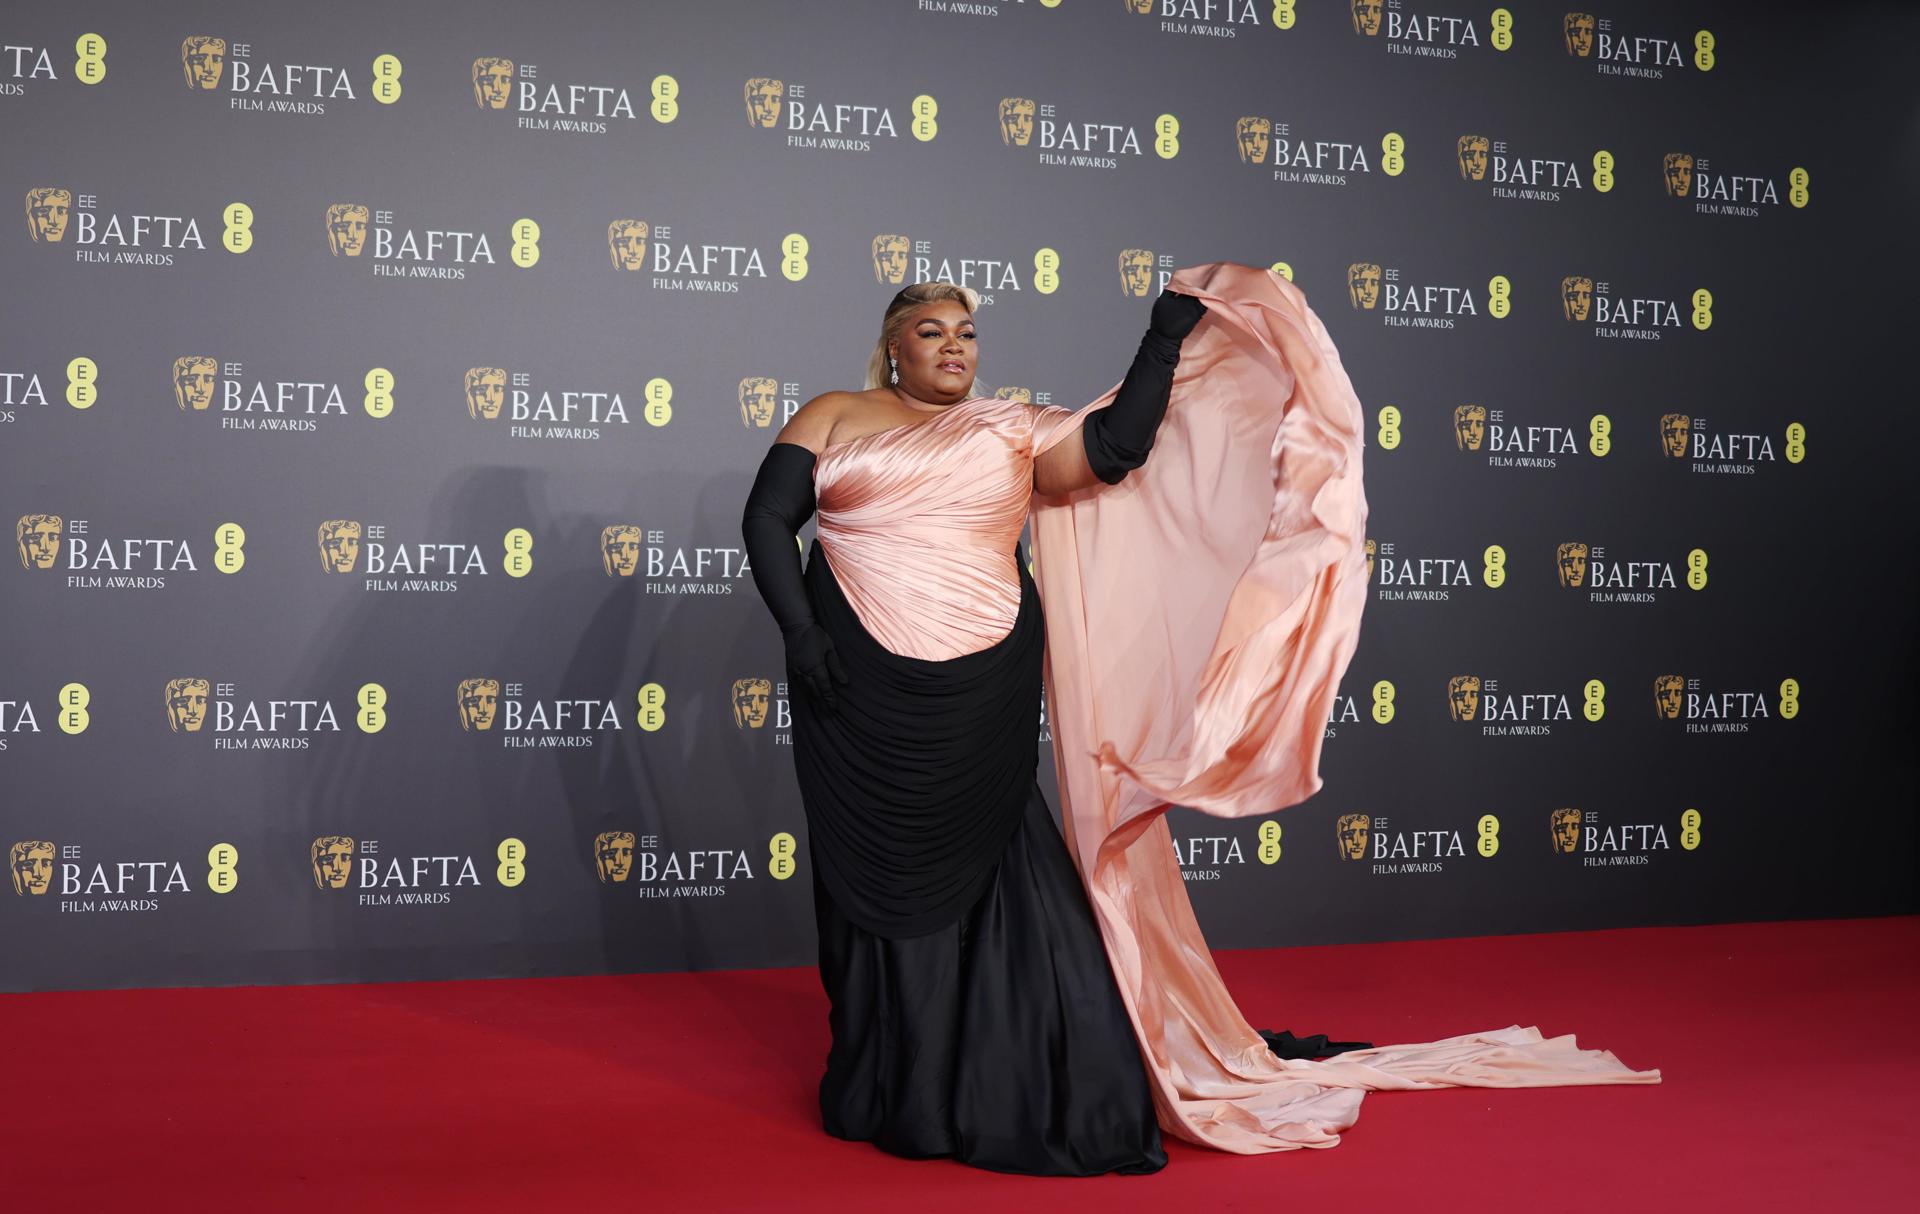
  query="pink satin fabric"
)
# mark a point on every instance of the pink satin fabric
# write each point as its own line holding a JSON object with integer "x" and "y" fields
{"x": 1199, "y": 617}
{"x": 919, "y": 523}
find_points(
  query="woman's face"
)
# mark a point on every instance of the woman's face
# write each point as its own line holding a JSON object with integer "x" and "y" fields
{"x": 935, "y": 353}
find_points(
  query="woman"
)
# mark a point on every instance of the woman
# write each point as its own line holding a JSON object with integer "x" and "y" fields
{"x": 1199, "y": 609}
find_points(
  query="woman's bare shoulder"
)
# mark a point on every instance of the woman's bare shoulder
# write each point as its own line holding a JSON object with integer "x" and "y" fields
{"x": 811, "y": 425}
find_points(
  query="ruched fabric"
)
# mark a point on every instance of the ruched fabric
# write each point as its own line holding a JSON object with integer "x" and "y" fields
{"x": 914, "y": 784}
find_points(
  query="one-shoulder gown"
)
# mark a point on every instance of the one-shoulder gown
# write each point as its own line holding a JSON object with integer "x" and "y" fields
{"x": 1031, "y": 1003}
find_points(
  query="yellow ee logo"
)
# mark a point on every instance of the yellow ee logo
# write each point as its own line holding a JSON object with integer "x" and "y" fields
{"x": 923, "y": 125}
{"x": 1593, "y": 699}
{"x": 793, "y": 256}
{"x": 229, "y": 547}
{"x": 1603, "y": 170}
{"x": 1789, "y": 699}
{"x": 1382, "y": 702}
{"x": 71, "y": 710}
{"x": 659, "y": 407}
{"x": 1499, "y": 297}
{"x": 1502, "y": 22}
{"x": 386, "y": 79}
{"x": 653, "y": 707}
{"x": 1599, "y": 435}
{"x": 1282, "y": 269}
{"x": 372, "y": 699}
{"x": 512, "y": 854}
{"x": 1690, "y": 829}
{"x": 526, "y": 243}
{"x": 781, "y": 863}
{"x": 238, "y": 236}
{"x": 1796, "y": 442}
{"x": 1797, "y": 180}
{"x": 666, "y": 99}
{"x": 91, "y": 66}
{"x": 1489, "y": 831}
{"x": 1703, "y": 309}
{"x": 378, "y": 401}
{"x": 1269, "y": 849}
{"x": 83, "y": 378}
{"x": 223, "y": 863}
{"x": 1283, "y": 14}
{"x": 519, "y": 558}
{"x": 1493, "y": 568}
{"x": 1703, "y": 50}
{"x": 1166, "y": 128}
{"x": 1393, "y": 154}
{"x": 1046, "y": 271}
{"x": 1389, "y": 427}
{"x": 1697, "y": 569}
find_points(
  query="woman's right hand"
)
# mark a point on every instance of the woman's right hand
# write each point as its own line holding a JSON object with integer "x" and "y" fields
{"x": 812, "y": 660}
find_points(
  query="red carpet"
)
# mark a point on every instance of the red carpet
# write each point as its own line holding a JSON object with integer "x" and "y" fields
{"x": 1789, "y": 1053}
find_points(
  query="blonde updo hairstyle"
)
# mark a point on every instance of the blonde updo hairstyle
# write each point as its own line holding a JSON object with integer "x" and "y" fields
{"x": 903, "y": 306}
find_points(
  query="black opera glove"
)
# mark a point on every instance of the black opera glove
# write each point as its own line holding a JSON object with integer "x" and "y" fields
{"x": 779, "y": 502}
{"x": 1118, "y": 437}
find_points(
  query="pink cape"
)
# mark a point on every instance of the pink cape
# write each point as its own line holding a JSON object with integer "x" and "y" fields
{"x": 1199, "y": 616}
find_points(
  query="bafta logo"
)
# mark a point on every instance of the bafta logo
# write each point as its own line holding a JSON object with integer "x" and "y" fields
{"x": 620, "y": 550}
{"x": 1350, "y": 830}
{"x": 1668, "y": 691}
{"x": 193, "y": 378}
{"x": 756, "y": 402}
{"x": 1254, "y": 137}
{"x": 763, "y": 101}
{"x": 1674, "y": 430}
{"x": 1566, "y": 831}
{"x": 1469, "y": 426}
{"x": 1571, "y": 560}
{"x": 1366, "y": 17}
{"x": 486, "y": 392}
{"x": 339, "y": 545}
{"x": 492, "y": 82}
{"x": 1463, "y": 697}
{"x": 751, "y": 698}
{"x": 48, "y": 209}
{"x": 1472, "y": 152}
{"x": 1140, "y": 7}
{"x": 1577, "y": 28}
{"x": 187, "y": 704}
{"x": 202, "y": 58}
{"x": 1576, "y": 297}
{"x": 613, "y": 855}
{"x": 38, "y": 538}
{"x": 332, "y": 860}
{"x": 889, "y": 259}
{"x": 1363, "y": 285}
{"x": 346, "y": 229}
{"x": 627, "y": 244}
{"x": 1373, "y": 550}
{"x": 1677, "y": 170}
{"x": 31, "y": 863}
{"x": 1023, "y": 395}
{"x": 1016, "y": 121}
{"x": 1136, "y": 271}
{"x": 479, "y": 701}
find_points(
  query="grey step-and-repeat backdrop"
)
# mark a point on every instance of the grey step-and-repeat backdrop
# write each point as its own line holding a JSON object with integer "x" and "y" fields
{"x": 380, "y": 385}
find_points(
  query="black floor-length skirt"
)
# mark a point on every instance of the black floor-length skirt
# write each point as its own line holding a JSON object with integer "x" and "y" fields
{"x": 973, "y": 1010}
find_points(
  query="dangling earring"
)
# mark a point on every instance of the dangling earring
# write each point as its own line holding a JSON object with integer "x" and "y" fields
{"x": 893, "y": 370}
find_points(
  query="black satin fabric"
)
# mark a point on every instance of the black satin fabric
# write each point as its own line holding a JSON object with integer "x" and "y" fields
{"x": 973, "y": 1010}
{"x": 915, "y": 782}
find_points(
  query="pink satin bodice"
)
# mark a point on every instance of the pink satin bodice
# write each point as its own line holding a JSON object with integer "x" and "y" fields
{"x": 919, "y": 523}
